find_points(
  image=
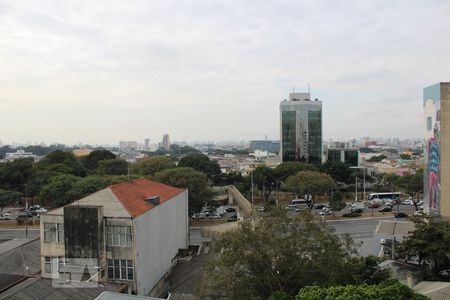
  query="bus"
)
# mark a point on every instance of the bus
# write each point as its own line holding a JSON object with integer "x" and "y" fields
{"x": 385, "y": 196}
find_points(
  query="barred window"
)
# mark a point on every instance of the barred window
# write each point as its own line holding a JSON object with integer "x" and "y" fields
{"x": 118, "y": 236}
{"x": 54, "y": 232}
{"x": 120, "y": 269}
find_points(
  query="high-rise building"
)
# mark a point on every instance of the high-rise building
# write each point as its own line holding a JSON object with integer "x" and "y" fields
{"x": 301, "y": 129}
{"x": 128, "y": 145}
{"x": 147, "y": 144}
{"x": 436, "y": 108}
{"x": 347, "y": 156}
{"x": 165, "y": 142}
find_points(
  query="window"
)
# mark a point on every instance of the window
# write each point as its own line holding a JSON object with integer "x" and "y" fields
{"x": 120, "y": 269}
{"x": 118, "y": 236}
{"x": 54, "y": 232}
{"x": 53, "y": 264}
{"x": 429, "y": 124}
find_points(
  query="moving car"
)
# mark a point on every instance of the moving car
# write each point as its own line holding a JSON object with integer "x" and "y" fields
{"x": 373, "y": 205}
{"x": 408, "y": 202}
{"x": 326, "y": 212}
{"x": 319, "y": 206}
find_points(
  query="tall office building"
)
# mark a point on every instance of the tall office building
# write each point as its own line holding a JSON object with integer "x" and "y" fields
{"x": 165, "y": 142}
{"x": 436, "y": 108}
{"x": 301, "y": 129}
{"x": 147, "y": 144}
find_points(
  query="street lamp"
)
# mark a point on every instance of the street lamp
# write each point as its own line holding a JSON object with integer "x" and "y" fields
{"x": 364, "y": 182}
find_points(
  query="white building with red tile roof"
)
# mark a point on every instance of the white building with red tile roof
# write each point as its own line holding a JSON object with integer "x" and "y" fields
{"x": 131, "y": 232}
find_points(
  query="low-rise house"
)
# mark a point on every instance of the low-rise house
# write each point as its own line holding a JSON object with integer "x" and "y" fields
{"x": 126, "y": 233}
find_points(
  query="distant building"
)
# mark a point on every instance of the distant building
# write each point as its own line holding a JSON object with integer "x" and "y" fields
{"x": 20, "y": 154}
{"x": 129, "y": 232}
{"x": 301, "y": 129}
{"x": 348, "y": 156}
{"x": 147, "y": 144}
{"x": 128, "y": 145}
{"x": 165, "y": 142}
{"x": 264, "y": 145}
{"x": 436, "y": 99}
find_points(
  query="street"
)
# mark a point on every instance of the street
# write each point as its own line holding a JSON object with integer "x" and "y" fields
{"x": 361, "y": 230}
{"x": 8, "y": 234}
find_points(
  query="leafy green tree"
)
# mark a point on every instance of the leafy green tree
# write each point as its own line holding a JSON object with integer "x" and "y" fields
{"x": 8, "y": 198}
{"x": 14, "y": 174}
{"x": 58, "y": 191}
{"x": 265, "y": 180}
{"x": 339, "y": 171}
{"x": 88, "y": 185}
{"x": 152, "y": 165}
{"x": 310, "y": 182}
{"x": 188, "y": 178}
{"x": 277, "y": 254}
{"x": 91, "y": 161}
{"x": 385, "y": 291}
{"x": 370, "y": 272}
{"x": 286, "y": 169}
{"x": 59, "y": 162}
{"x": 200, "y": 162}
{"x": 112, "y": 167}
{"x": 413, "y": 185}
{"x": 429, "y": 242}
{"x": 336, "y": 201}
{"x": 377, "y": 158}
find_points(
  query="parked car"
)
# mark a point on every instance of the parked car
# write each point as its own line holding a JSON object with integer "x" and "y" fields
{"x": 319, "y": 206}
{"x": 400, "y": 215}
{"x": 408, "y": 202}
{"x": 3, "y": 217}
{"x": 214, "y": 216}
{"x": 326, "y": 212}
{"x": 233, "y": 218}
{"x": 357, "y": 210}
{"x": 385, "y": 209}
{"x": 42, "y": 210}
{"x": 26, "y": 213}
{"x": 373, "y": 205}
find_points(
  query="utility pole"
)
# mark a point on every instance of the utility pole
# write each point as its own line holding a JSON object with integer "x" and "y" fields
{"x": 251, "y": 177}
{"x": 26, "y": 211}
{"x": 356, "y": 189}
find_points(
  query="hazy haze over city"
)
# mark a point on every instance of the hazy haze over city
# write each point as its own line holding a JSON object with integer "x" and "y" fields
{"x": 104, "y": 71}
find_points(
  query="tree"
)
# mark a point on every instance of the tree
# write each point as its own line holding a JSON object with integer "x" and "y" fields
{"x": 88, "y": 185}
{"x": 377, "y": 158}
{"x": 8, "y": 198}
{"x": 429, "y": 242}
{"x": 309, "y": 182}
{"x": 14, "y": 174}
{"x": 91, "y": 161}
{"x": 188, "y": 178}
{"x": 200, "y": 162}
{"x": 59, "y": 162}
{"x": 152, "y": 165}
{"x": 277, "y": 254}
{"x": 385, "y": 291}
{"x": 112, "y": 167}
{"x": 265, "y": 180}
{"x": 339, "y": 171}
{"x": 286, "y": 169}
{"x": 413, "y": 185}
{"x": 58, "y": 191}
{"x": 336, "y": 201}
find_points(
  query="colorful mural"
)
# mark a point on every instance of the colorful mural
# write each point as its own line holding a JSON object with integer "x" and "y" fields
{"x": 432, "y": 149}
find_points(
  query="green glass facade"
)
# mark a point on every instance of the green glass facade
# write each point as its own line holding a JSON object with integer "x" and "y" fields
{"x": 288, "y": 124}
{"x": 315, "y": 137}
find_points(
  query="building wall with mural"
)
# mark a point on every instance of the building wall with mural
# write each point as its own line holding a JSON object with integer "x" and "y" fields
{"x": 436, "y": 122}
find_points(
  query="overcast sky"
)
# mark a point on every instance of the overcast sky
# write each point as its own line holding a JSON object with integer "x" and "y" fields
{"x": 81, "y": 71}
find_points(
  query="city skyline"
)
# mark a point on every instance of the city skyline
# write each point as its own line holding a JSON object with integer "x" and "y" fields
{"x": 99, "y": 73}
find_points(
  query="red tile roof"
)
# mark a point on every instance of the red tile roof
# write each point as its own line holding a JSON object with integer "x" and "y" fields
{"x": 133, "y": 194}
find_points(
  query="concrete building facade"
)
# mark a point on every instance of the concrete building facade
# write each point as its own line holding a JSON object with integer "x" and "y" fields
{"x": 301, "y": 129}
{"x": 127, "y": 233}
{"x": 348, "y": 156}
{"x": 436, "y": 105}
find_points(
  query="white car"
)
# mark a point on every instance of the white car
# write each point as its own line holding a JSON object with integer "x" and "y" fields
{"x": 325, "y": 212}
{"x": 408, "y": 202}
{"x": 42, "y": 210}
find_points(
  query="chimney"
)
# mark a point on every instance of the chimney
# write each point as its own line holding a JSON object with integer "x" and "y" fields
{"x": 153, "y": 200}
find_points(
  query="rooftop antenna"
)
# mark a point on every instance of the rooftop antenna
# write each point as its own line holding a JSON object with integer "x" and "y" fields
{"x": 309, "y": 89}
{"x": 293, "y": 89}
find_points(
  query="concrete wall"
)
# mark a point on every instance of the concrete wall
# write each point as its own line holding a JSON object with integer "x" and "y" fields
{"x": 159, "y": 234}
{"x": 49, "y": 249}
{"x": 445, "y": 151}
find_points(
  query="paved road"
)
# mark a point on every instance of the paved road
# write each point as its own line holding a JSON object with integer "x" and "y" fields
{"x": 361, "y": 230}
{"x": 8, "y": 234}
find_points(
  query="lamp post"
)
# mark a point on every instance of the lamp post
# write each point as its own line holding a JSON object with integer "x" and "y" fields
{"x": 364, "y": 182}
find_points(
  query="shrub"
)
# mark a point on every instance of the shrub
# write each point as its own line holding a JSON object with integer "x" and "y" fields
{"x": 351, "y": 215}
